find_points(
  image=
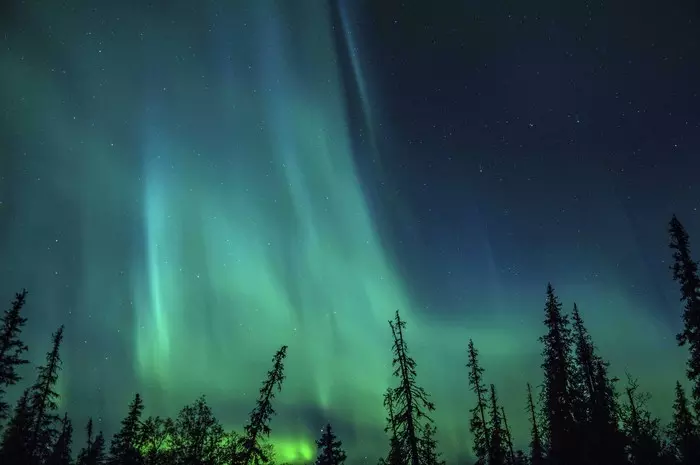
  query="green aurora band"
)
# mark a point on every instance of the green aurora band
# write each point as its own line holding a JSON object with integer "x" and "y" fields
{"x": 256, "y": 234}
{"x": 293, "y": 259}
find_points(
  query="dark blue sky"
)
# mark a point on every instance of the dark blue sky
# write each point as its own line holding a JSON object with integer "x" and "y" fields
{"x": 552, "y": 131}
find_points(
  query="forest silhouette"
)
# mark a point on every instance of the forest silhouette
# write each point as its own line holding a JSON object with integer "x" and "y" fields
{"x": 578, "y": 413}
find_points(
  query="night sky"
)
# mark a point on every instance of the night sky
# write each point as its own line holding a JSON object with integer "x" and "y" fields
{"x": 189, "y": 185}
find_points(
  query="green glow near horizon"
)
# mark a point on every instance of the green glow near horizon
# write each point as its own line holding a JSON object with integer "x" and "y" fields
{"x": 286, "y": 449}
{"x": 292, "y": 451}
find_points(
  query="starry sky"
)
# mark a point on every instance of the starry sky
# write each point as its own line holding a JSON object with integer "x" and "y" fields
{"x": 189, "y": 185}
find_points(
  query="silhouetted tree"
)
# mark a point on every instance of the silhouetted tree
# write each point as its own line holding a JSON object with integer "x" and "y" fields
{"x": 155, "y": 440}
{"x": 478, "y": 425}
{"x": 497, "y": 445}
{"x": 15, "y": 438}
{"x": 508, "y": 437}
{"x": 558, "y": 410}
{"x": 536, "y": 447}
{"x": 427, "y": 446}
{"x": 685, "y": 272}
{"x": 93, "y": 453}
{"x": 97, "y": 453}
{"x": 84, "y": 455}
{"x": 124, "y": 449}
{"x": 330, "y": 448}
{"x": 683, "y": 431}
{"x": 251, "y": 450}
{"x": 582, "y": 379}
{"x": 520, "y": 458}
{"x": 231, "y": 449}
{"x": 394, "y": 455}
{"x": 608, "y": 440}
{"x": 62, "y": 452}
{"x": 643, "y": 431}
{"x": 411, "y": 404}
{"x": 197, "y": 436}
{"x": 595, "y": 401}
{"x": 44, "y": 402}
{"x": 12, "y": 349}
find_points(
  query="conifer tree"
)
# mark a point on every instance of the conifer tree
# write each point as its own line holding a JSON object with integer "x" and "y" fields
{"x": 497, "y": 445}
{"x": 12, "y": 349}
{"x": 478, "y": 425}
{"x": 410, "y": 401}
{"x": 15, "y": 439}
{"x": 330, "y": 448}
{"x": 508, "y": 437}
{"x": 84, "y": 455}
{"x": 643, "y": 432}
{"x": 536, "y": 447}
{"x": 62, "y": 452}
{"x": 582, "y": 390}
{"x": 683, "y": 431}
{"x": 97, "y": 454}
{"x": 125, "y": 443}
{"x": 427, "y": 446}
{"x": 394, "y": 456}
{"x": 608, "y": 439}
{"x": 584, "y": 357}
{"x": 197, "y": 436}
{"x": 93, "y": 453}
{"x": 251, "y": 450}
{"x": 520, "y": 458}
{"x": 44, "y": 402}
{"x": 595, "y": 402}
{"x": 685, "y": 272}
{"x": 558, "y": 409}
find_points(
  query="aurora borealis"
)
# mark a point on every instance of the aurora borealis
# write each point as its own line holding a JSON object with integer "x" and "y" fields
{"x": 189, "y": 185}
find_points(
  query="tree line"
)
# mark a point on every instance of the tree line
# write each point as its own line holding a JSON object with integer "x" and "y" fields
{"x": 578, "y": 415}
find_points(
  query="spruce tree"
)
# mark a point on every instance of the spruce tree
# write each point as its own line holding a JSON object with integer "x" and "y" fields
{"x": 44, "y": 402}
{"x": 15, "y": 439}
{"x": 558, "y": 410}
{"x": 86, "y": 451}
{"x": 427, "y": 446}
{"x": 497, "y": 445}
{"x": 330, "y": 448}
{"x": 508, "y": 437}
{"x": 124, "y": 449}
{"x": 520, "y": 458}
{"x": 608, "y": 439}
{"x": 12, "y": 349}
{"x": 62, "y": 452}
{"x": 644, "y": 439}
{"x": 410, "y": 401}
{"x": 581, "y": 390}
{"x": 683, "y": 431}
{"x": 394, "y": 455}
{"x": 685, "y": 272}
{"x": 536, "y": 447}
{"x": 478, "y": 425}
{"x": 97, "y": 454}
{"x": 251, "y": 450}
{"x": 594, "y": 397}
{"x": 583, "y": 377}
